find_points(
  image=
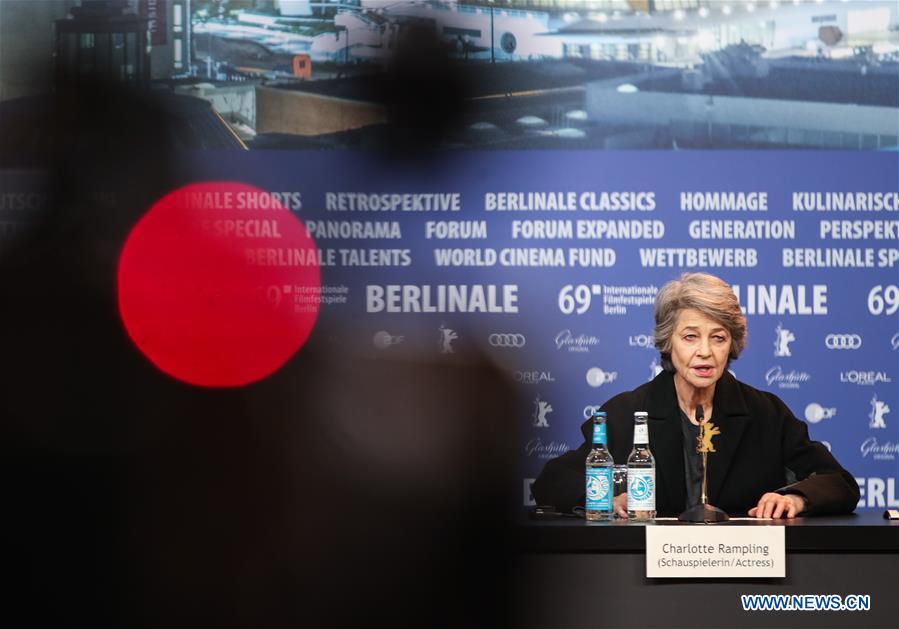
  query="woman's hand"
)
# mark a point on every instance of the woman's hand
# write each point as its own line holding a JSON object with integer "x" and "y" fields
{"x": 619, "y": 503}
{"x": 773, "y": 505}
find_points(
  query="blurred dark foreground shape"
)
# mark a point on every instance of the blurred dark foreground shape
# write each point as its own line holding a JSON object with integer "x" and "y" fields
{"x": 338, "y": 492}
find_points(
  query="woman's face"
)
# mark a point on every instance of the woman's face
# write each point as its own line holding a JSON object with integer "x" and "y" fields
{"x": 699, "y": 349}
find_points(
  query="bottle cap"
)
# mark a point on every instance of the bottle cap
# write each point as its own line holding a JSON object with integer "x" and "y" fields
{"x": 641, "y": 414}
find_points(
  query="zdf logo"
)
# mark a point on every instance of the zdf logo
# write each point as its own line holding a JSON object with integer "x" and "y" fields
{"x": 589, "y": 410}
{"x": 842, "y": 341}
{"x": 507, "y": 340}
{"x": 814, "y": 413}
{"x": 596, "y": 377}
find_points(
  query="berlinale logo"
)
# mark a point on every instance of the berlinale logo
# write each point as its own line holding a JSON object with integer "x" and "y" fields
{"x": 878, "y": 410}
{"x": 541, "y": 410}
{"x": 782, "y": 341}
{"x": 842, "y": 341}
{"x": 445, "y": 342}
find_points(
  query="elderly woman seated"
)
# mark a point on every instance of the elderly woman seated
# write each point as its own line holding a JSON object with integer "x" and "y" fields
{"x": 764, "y": 464}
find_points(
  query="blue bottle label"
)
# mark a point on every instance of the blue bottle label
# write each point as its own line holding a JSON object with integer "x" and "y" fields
{"x": 641, "y": 489}
{"x": 599, "y": 434}
{"x": 599, "y": 488}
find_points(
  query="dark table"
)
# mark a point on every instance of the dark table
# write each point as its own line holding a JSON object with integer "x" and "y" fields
{"x": 593, "y": 575}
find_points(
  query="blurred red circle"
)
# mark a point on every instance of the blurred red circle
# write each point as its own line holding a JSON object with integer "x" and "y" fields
{"x": 218, "y": 284}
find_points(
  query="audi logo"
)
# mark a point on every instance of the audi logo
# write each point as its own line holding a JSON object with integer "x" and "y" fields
{"x": 842, "y": 341}
{"x": 507, "y": 340}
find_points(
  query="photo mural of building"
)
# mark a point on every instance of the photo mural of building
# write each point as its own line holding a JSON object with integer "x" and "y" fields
{"x": 734, "y": 51}
{"x": 26, "y": 54}
{"x": 39, "y": 39}
{"x": 301, "y": 296}
{"x": 169, "y": 26}
{"x": 726, "y": 55}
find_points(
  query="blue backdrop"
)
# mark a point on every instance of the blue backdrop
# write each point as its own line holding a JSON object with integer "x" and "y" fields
{"x": 567, "y": 293}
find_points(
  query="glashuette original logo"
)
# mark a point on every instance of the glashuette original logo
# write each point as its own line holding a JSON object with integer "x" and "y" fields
{"x": 879, "y": 451}
{"x": 786, "y": 380}
{"x": 537, "y": 448}
{"x": 579, "y": 343}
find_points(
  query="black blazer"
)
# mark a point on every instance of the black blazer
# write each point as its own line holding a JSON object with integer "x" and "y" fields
{"x": 762, "y": 446}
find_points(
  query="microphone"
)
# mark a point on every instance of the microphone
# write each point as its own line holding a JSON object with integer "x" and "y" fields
{"x": 700, "y": 416}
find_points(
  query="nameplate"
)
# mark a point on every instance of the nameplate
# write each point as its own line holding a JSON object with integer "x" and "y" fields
{"x": 729, "y": 552}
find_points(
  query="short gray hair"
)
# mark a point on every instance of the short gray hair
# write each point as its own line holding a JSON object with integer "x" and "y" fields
{"x": 706, "y": 293}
